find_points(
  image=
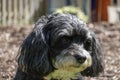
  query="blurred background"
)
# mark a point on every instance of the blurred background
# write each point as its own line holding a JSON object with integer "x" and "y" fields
{"x": 17, "y": 18}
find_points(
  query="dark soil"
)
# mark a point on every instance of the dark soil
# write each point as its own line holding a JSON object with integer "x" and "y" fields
{"x": 108, "y": 34}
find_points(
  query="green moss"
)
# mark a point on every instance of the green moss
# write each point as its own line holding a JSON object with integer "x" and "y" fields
{"x": 73, "y": 10}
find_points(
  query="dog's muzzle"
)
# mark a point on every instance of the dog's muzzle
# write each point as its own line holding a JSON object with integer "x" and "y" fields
{"x": 79, "y": 60}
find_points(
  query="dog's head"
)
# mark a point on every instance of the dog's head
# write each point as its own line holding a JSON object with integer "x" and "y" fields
{"x": 61, "y": 41}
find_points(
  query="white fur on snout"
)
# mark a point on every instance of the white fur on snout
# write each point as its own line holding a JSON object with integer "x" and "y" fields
{"x": 64, "y": 61}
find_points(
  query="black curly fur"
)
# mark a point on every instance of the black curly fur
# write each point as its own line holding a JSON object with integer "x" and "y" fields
{"x": 34, "y": 59}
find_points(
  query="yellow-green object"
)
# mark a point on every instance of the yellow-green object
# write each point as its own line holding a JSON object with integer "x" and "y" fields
{"x": 73, "y": 10}
{"x": 64, "y": 74}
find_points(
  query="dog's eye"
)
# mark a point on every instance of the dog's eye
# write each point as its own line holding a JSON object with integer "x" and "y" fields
{"x": 88, "y": 41}
{"x": 65, "y": 40}
{"x": 88, "y": 44}
{"x": 62, "y": 42}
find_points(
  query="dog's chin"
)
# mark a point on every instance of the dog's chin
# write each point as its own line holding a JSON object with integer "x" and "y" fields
{"x": 68, "y": 66}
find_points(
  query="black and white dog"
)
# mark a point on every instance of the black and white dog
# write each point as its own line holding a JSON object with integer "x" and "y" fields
{"x": 60, "y": 47}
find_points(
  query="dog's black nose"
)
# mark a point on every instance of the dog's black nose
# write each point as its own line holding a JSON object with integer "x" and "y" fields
{"x": 80, "y": 58}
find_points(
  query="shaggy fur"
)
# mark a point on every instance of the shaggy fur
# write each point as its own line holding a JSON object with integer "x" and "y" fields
{"x": 59, "y": 42}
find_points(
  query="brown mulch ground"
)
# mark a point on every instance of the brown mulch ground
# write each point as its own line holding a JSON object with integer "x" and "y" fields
{"x": 108, "y": 34}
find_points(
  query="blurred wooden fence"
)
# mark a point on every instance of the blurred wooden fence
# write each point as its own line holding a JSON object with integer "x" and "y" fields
{"x": 17, "y": 12}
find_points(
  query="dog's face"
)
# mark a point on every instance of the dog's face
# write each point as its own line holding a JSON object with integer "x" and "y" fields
{"x": 61, "y": 41}
{"x": 70, "y": 46}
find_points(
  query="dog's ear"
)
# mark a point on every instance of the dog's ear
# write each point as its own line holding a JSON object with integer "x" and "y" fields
{"x": 97, "y": 59}
{"x": 33, "y": 53}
